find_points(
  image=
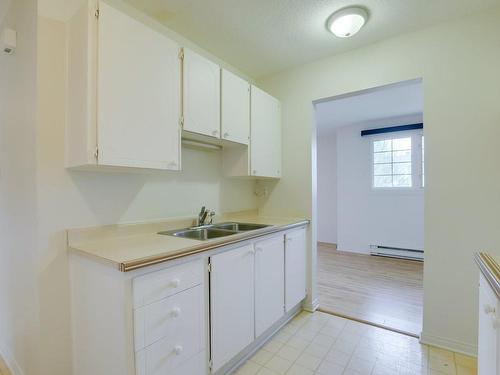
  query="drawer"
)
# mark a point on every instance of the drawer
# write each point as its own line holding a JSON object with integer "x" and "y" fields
{"x": 171, "y": 357}
{"x": 177, "y": 317}
{"x": 197, "y": 365}
{"x": 160, "y": 284}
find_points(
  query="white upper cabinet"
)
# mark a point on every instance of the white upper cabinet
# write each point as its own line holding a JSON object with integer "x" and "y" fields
{"x": 265, "y": 136}
{"x": 124, "y": 92}
{"x": 269, "y": 283}
{"x": 201, "y": 95}
{"x": 235, "y": 108}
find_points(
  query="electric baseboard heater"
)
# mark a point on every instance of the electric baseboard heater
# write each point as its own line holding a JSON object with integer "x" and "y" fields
{"x": 396, "y": 252}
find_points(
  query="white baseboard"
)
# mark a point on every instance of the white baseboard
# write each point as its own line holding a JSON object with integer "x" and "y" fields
{"x": 442, "y": 342}
{"x": 10, "y": 361}
{"x": 311, "y": 306}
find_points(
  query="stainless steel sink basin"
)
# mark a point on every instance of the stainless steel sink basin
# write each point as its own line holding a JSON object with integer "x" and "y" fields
{"x": 201, "y": 234}
{"x": 213, "y": 230}
{"x": 240, "y": 227}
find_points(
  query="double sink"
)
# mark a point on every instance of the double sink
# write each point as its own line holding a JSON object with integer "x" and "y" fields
{"x": 207, "y": 232}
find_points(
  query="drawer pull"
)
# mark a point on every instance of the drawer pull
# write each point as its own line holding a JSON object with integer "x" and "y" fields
{"x": 178, "y": 349}
{"x": 488, "y": 309}
{"x": 176, "y": 312}
{"x": 175, "y": 283}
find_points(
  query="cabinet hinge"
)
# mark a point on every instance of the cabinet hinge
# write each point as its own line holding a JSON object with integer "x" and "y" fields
{"x": 209, "y": 267}
{"x": 210, "y": 365}
{"x": 181, "y": 54}
{"x": 181, "y": 122}
{"x": 97, "y": 13}
{"x": 96, "y": 152}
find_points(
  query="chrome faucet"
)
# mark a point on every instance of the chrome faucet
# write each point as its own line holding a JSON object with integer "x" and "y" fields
{"x": 202, "y": 216}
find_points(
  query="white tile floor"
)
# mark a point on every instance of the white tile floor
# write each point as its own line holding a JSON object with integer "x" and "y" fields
{"x": 324, "y": 344}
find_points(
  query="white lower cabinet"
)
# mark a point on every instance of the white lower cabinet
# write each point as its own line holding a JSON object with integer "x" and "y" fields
{"x": 489, "y": 333}
{"x": 269, "y": 283}
{"x": 295, "y": 267}
{"x": 246, "y": 296}
{"x": 231, "y": 303}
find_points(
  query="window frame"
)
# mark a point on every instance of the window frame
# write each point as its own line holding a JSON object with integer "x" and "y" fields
{"x": 417, "y": 175}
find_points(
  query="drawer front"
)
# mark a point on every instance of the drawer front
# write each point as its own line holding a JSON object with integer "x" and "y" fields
{"x": 160, "y": 284}
{"x": 167, "y": 355}
{"x": 197, "y": 365}
{"x": 177, "y": 317}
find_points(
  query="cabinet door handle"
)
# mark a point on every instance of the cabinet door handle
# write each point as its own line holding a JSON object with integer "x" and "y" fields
{"x": 226, "y": 134}
{"x": 178, "y": 349}
{"x": 488, "y": 309}
{"x": 176, "y": 312}
{"x": 254, "y": 172}
{"x": 175, "y": 283}
{"x": 215, "y": 132}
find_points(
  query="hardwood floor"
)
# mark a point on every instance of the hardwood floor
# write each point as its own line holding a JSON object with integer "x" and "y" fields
{"x": 383, "y": 291}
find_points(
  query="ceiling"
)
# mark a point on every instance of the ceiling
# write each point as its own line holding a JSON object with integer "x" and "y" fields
{"x": 260, "y": 37}
{"x": 388, "y": 102}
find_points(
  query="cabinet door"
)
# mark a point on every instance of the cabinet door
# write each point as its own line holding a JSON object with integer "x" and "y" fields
{"x": 295, "y": 267}
{"x": 265, "y": 138}
{"x": 488, "y": 345}
{"x": 138, "y": 94}
{"x": 269, "y": 283}
{"x": 235, "y": 108}
{"x": 231, "y": 303}
{"x": 201, "y": 95}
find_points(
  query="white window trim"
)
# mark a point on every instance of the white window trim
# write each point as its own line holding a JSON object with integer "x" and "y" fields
{"x": 416, "y": 160}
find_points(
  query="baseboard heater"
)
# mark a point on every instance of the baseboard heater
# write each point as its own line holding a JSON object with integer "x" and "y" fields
{"x": 396, "y": 252}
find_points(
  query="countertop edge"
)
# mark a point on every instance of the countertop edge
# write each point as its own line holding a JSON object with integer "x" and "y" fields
{"x": 490, "y": 269}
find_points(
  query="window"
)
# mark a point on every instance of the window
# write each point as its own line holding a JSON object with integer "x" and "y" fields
{"x": 396, "y": 162}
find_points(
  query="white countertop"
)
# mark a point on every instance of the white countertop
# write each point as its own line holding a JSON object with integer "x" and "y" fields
{"x": 133, "y": 246}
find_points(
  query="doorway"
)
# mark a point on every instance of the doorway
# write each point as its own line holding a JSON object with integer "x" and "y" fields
{"x": 370, "y": 199}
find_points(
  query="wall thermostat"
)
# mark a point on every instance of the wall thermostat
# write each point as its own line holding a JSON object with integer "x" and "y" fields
{"x": 9, "y": 41}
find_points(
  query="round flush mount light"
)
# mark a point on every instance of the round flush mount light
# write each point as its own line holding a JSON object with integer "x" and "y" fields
{"x": 347, "y": 22}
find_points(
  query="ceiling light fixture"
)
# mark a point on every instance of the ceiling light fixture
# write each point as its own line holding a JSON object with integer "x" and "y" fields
{"x": 347, "y": 22}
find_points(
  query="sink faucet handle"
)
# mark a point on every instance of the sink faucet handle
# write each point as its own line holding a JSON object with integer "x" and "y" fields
{"x": 211, "y": 214}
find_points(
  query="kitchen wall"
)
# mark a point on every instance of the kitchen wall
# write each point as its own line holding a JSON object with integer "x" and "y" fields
{"x": 327, "y": 188}
{"x": 458, "y": 62}
{"x": 367, "y": 216}
{"x": 18, "y": 297}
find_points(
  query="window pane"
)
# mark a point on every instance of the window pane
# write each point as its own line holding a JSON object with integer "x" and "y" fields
{"x": 382, "y": 181}
{"x": 401, "y": 144}
{"x": 385, "y": 145}
{"x": 382, "y": 157}
{"x": 402, "y": 156}
{"x": 402, "y": 180}
{"x": 402, "y": 168}
{"x": 382, "y": 169}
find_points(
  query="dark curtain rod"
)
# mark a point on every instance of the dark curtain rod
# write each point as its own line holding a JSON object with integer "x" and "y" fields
{"x": 391, "y": 129}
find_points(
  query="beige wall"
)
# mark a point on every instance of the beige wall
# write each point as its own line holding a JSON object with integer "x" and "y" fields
{"x": 459, "y": 64}
{"x": 18, "y": 297}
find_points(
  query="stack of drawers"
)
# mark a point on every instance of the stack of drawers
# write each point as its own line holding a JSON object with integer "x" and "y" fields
{"x": 169, "y": 326}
